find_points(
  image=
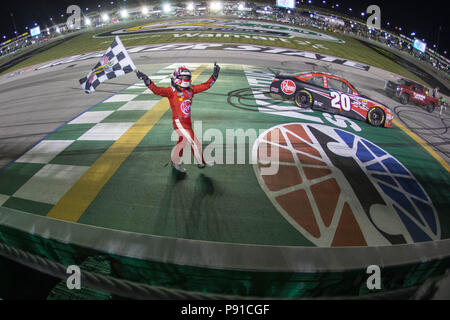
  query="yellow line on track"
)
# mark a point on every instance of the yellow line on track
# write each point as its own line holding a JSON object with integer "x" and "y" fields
{"x": 73, "y": 204}
{"x": 423, "y": 144}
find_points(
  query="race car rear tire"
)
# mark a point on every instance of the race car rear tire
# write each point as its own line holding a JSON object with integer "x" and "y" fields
{"x": 376, "y": 117}
{"x": 303, "y": 99}
{"x": 404, "y": 99}
{"x": 431, "y": 107}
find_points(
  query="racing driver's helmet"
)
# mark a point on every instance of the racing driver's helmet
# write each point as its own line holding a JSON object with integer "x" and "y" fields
{"x": 182, "y": 77}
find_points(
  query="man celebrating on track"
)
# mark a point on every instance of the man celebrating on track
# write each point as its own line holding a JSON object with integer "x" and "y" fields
{"x": 180, "y": 96}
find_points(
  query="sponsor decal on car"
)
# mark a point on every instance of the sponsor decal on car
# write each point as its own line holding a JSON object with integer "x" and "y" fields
{"x": 272, "y": 89}
{"x": 339, "y": 190}
{"x": 363, "y": 102}
{"x": 288, "y": 87}
{"x": 318, "y": 103}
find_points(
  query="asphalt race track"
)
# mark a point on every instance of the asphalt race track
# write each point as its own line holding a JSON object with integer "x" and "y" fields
{"x": 203, "y": 209}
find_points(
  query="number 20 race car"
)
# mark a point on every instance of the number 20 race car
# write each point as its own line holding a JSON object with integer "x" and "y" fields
{"x": 332, "y": 94}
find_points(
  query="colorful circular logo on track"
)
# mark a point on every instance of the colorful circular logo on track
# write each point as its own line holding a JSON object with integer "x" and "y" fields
{"x": 340, "y": 190}
{"x": 288, "y": 87}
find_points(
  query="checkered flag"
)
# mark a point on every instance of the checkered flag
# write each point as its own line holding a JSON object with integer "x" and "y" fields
{"x": 115, "y": 63}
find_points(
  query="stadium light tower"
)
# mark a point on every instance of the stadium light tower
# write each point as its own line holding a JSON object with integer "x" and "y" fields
{"x": 167, "y": 8}
{"x": 124, "y": 13}
{"x": 145, "y": 11}
{"x": 190, "y": 6}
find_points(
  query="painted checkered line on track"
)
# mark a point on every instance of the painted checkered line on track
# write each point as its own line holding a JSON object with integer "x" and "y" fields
{"x": 55, "y": 164}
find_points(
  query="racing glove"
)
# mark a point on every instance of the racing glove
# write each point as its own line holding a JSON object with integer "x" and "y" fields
{"x": 215, "y": 74}
{"x": 144, "y": 77}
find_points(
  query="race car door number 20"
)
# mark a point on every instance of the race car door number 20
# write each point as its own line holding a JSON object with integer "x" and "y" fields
{"x": 340, "y": 101}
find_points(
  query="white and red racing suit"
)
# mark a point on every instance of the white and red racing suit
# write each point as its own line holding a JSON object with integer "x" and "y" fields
{"x": 180, "y": 100}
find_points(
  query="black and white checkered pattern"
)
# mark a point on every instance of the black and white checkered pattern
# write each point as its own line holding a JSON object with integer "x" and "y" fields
{"x": 114, "y": 63}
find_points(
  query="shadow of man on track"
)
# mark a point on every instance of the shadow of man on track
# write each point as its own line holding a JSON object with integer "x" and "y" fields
{"x": 184, "y": 210}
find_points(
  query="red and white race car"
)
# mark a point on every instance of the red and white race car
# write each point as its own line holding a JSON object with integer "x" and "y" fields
{"x": 332, "y": 94}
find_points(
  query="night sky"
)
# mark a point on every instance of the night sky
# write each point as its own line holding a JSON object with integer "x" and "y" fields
{"x": 421, "y": 17}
